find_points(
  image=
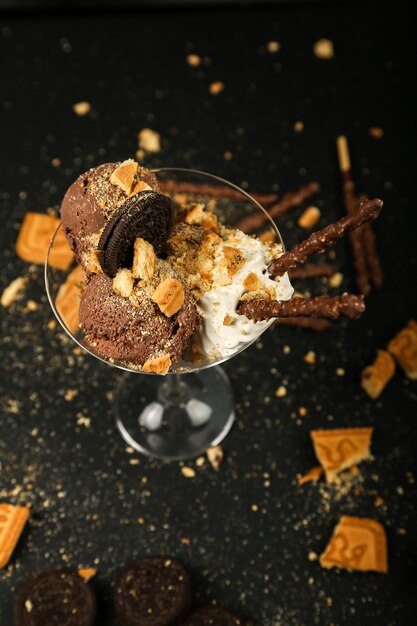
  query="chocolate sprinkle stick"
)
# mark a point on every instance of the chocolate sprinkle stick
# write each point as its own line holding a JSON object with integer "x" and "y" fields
{"x": 311, "y": 323}
{"x": 217, "y": 191}
{"x": 351, "y": 202}
{"x": 313, "y": 270}
{"x": 372, "y": 257}
{"x": 290, "y": 200}
{"x": 323, "y": 239}
{"x": 332, "y": 307}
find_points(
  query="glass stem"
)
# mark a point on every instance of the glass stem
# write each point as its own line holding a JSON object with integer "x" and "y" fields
{"x": 174, "y": 390}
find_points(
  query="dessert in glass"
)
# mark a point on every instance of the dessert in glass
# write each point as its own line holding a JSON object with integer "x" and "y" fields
{"x": 167, "y": 286}
{"x": 160, "y": 269}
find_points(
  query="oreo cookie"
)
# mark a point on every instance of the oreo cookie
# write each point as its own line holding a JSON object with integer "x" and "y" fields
{"x": 152, "y": 591}
{"x": 146, "y": 214}
{"x": 55, "y": 597}
{"x": 214, "y": 615}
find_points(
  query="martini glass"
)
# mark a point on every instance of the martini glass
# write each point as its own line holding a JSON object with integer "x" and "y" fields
{"x": 182, "y": 414}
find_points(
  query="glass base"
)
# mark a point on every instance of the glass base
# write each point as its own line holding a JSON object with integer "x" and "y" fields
{"x": 175, "y": 417}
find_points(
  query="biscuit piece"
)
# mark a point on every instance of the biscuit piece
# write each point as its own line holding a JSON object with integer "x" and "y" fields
{"x": 144, "y": 259}
{"x": 34, "y": 238}
{"x": 169, "y": 296}
{"x": 124, "y": 175}
{"x": 158, "y": 365}
{"x": 339, "y": 449}
{"x": 376, "y": 376}
{"x": 123, "y": 283}
{"x": 12, "y": 523}
{"x": 357, "y": 544}
{"x": 312, "y": 475}
{"x": 404, "y": 349}
{"x": 68, "y": 299}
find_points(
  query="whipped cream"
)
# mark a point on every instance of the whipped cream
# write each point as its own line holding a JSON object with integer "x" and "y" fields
{"x": 217, "y": 305}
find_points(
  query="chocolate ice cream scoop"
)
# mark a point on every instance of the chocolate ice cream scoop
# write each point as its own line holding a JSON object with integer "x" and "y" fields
{"x": 134, "y": 329}
{"x": 91, "y": 201}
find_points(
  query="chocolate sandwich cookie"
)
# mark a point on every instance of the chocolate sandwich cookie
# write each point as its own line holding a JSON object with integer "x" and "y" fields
{"x": 214, "y": 615}
{"x": 55, "y": 597}
{"x": 152, "y": 591}
{"x": 146, "y": 214}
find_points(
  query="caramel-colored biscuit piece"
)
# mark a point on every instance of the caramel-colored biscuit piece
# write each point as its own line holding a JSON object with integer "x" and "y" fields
{"x": 144, "y": 259}
{"x": 169, "y": 296}
{"x": 158, "y": 365}
{"x": 404, "y": 349}
{"x": 34, "y": 238}
{"x": 86, "y": 573}
{"x": 68, "y": 299}
{"x": 376, "y": 376}
{"x": 123, "y": 283}
{"x": 200, "y": 216}
{"x": 357, "y": 544}
{"x": 251, "y": 282}
{"x": 140, "y": 186}
{"x": 309, "y": 217}
{"x": 234, "y": 259}
{"x": 339, "y": 449}
{"x": 312, "y": 475}
{"x": 12, "y": 522}
{"x": 124, "y": 175}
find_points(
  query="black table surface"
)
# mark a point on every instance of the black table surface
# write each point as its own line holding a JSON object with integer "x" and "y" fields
{"x": 245, "y": 532}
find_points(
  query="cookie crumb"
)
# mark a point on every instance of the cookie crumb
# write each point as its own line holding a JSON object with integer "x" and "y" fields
{"x": 149, "y": 140}
{"x": 193, "y": 60}
{"x": 216, "y": 87}
{"x": 376, "y": 132}
{"x": 273, "y": 47}
{"x": 323, "y": 49}
{"x": 188, "y": 472}
{"x": 81, "y": 108}
{"x": 281, "y": 391}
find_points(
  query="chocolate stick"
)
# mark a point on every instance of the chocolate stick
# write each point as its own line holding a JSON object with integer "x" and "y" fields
{"x": 351, "y": 202}
{"x": 251, "y": 223}
{"x": 326, "y": 237}
{"x": 332, "y": 307}
{"x": 174, "y": 186}
{"x": 311, "y": 323}
{"x": 372, "y": 257}
{"x": 313, "y": 270}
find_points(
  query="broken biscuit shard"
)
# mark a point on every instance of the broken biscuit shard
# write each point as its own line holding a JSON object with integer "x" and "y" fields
{"x": 341, "y": 448}
{"x": 357, "y": 544}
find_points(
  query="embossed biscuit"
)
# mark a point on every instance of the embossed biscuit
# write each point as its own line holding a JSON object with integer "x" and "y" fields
{"x": 169, "y": 296}
{"x": 144, "y": 259}
{"x": 357, "y": 544}
{"x": 12, "y": 523}
{"x": 339, "y": 449}
{"x": 376, "y": 376}
{"x": 404, "y": 349}
{"x": 158, "y": 365}
{"x": 68, "y": 299}
{"x": 34, "y": 238}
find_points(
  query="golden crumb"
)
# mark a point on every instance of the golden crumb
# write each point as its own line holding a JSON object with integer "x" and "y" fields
{"x": 158, "y": 365}
{"x": 169, "y": 296}
{"x": 281, "y": 391}
{"x": 149, "y": 140}
{"x": 86, "y": 573}
{"x": 336, "y": 279}
{"x": 81, "y": 108}
{"x": 310, "y": 357}
{"x": 123, "y": 283}
{"x": 323, "y": 49}
{"x": 12, "y": 291}
{"x": 188, "y": 472}
{"x": 273, "y": 47}
{"x": 228, "y": 156}
{"x": 299, "y": 126}
{"x": 309, "y": 217}
{"x": 193, "y": 60}
{"x": 376, "y": 132}
{"x": 215, "y": 456}
{"x": 216, "y": 87}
